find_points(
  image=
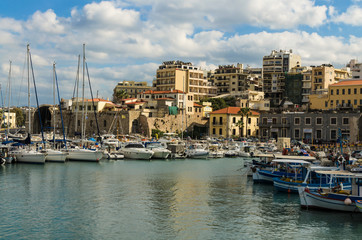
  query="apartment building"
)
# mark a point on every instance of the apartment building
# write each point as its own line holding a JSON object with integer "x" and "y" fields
{"x": 254, "y": 100}
{"x": 356, "y": 68}
{"x": 325, "y": 75}
{"x": 185, "y": 77}
{"x": 275, "y": 66}
{"x": 132, "y": 88}
{"x": 231, "y": 79}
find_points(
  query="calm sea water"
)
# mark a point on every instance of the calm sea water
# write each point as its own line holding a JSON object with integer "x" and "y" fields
{"x": 182, "y": 199}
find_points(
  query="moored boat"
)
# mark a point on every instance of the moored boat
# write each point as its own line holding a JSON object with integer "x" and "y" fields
{"x": 136, "y": 151}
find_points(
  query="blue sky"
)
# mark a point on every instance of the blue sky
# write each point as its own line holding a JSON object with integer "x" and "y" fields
{"x": 128, "y": 40}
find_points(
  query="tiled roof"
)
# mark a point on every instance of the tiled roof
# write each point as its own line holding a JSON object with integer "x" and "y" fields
{"x": 233, "y": 110}
{"x": 165, "y": 98}
{"x": 197, "y": 105}
{"x": 348, "y": 83}
{"x": 134, "y": 103}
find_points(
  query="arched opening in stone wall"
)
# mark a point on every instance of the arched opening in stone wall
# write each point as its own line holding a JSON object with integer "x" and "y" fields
{"x": 46, "y": 119}
{"x": 135, "y": 126}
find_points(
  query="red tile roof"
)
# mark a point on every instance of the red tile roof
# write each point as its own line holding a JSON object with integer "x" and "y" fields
{"x": 134, "y": 103}
{"x": 348, "y": 83}
{"x": 233, "y": 110}
{"x": 197, "y": 105}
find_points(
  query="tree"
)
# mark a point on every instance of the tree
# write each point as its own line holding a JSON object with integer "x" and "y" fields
{"x": 120, "y": 94}
{"x": 240, "y": 125}
{"x": 20, "y": 118}
{"x": 245, "y": 112}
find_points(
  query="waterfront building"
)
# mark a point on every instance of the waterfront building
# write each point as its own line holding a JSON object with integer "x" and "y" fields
{"x": 96, "y": 104}
{"x": 297, "y": 85}
{"x": 316, "y": 127}
{"x": 275, "y": 66}
{"x": 231, "y": 79}
{"x": 130, "y": 89}
{"x": 223, "y": 123}
{"x": 185, "y": 77}
{"x": 346, "y": 94}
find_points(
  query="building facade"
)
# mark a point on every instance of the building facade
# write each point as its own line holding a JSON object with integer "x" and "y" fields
{"x": 311, "y": 127}
{"x": 132, "y": 88}
{"x": 223, "y": 123}
{"x": 275, "y": 66}
{"x": 185, "y": 77}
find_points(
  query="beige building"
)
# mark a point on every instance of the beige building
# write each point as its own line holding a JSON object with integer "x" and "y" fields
{"x": 325, "y": 75}
{"x": 99, "y": 105}
{"x": 231, "y": 79}
{"x": 185, "y": 77}
{"x": 346, "y": 94}
{"x": 253, "y": 100}
{"x": 275, "y": 66}
{"x": 223, "y": 123}
{"x": 9, "y": 117}
{"x": 132, "y": 88}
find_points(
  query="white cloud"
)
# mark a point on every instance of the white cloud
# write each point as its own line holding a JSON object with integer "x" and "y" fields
{"x": 46, "y": 22}
{"x": 353, "y": 16}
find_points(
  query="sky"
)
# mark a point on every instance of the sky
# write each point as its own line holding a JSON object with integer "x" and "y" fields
{"x": 128, "y": 40}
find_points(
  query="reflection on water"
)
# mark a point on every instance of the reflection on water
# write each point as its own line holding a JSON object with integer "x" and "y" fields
{"x": 189, "y": 199}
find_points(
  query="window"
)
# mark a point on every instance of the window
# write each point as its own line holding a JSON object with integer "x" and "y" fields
{"x": 337, "y": 102}
{"x": 249, "y": 132}
{"x": 333, "y": 121}
{"x": 355, "y": 91}
{"x": 355, "y": 102}
{"x": 337, "y": 92}
{"x": 333, "y": 134}
{"x": 220, "y": 131}
{"x": 249, "y": 120}
{"x": 234, "y": 119}
{"x": 345, "y": 121}
{"x": 319, "y": 121}
{"x": 296, "y": 121}
{"x": 332, "y": 92}
{"x": 318, "y": 134}
{"x": 274, "y": 120}
{"x": 220, "y": 120}
{"x": 213, "y": 131}
{"x": 296, "y": 133}
{"x": 343, "y": 91}
{"x": 265, "y": 120}
{"x": 234, "y": 132}
{"x": 331, "y": 103}
{"x": 349, "y": 91}
{"x": 214, "y": 120}
{"x": 307, "y": 121}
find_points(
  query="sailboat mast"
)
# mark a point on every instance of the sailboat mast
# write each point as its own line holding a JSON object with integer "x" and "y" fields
{"x": 77, "y": 97}
{"x": 8, "y": 121}
{"x": 83, "y": 116}
{"x": 54, "y": 105}
{"x": 28, "y": 63}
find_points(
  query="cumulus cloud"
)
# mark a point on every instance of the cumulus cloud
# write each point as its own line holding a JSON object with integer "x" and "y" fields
{"x": 353, "y": 16}
{"x": 128, "y": 40}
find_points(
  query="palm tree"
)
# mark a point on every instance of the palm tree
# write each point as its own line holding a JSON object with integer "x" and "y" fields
{"x": 240, "y": 124}
{"x": 245, "y": 112}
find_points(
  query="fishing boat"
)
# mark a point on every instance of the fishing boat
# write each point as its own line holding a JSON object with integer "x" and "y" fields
{"x": 308, "y": 177}
{"x": 334, "y": 198}
{"x": 136, "y": 151}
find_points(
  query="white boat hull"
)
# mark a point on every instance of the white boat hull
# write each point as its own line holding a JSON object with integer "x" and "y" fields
{"x": 55, "y": 156}
{"x": 30, "y": 157}
{"x": 84, "y": 155}
{"x": 142, "y": 155}
{"x": 316, "y": 200}
{"x": 161, "y": 153}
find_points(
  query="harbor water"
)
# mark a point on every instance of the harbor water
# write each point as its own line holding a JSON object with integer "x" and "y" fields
{"x": 177, "y": 199}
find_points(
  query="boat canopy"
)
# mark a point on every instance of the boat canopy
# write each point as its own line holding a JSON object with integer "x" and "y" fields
{"x": 339, "y": 173}
{"x": 290, "y": 161}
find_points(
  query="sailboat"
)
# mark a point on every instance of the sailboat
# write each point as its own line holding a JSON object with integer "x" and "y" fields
{"x": 27, "y": 155}
{"x": 83, "y": 154}
{"x": 53, "y": 155}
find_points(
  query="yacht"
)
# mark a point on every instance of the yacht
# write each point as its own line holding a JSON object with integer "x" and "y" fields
{"x": 28, "y": 156}
{"x": 136, "y": 151}
{"x": 159, "y": 150}
{"x": 54, "y": 155}
{"x": 83, "y": 154}
{"x": 196, "y": 150}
